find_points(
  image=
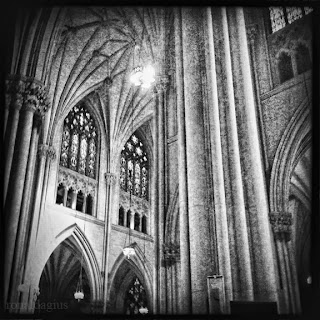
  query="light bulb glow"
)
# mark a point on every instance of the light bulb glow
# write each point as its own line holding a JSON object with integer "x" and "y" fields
{"x": 128, "y": 252}
{"x": 143, "y": 76}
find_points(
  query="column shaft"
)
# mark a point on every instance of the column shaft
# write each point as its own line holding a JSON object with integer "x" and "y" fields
{"x": 15, "y": 189}
{"x": 199, "y": 223}
{"x": 9, "y": 145}
{"x": 65, "y": 196}
{"x": 285, "y": 307}
{"x": 161, "y": 195}
{"x": 266, "y": 284}
{"x": 22, "y": 235}
{"x": 155, "y": 210}
{"x": 184, "y": 303}
{"x": 243, "y": 264}
{"x": 217, "y": 164}
{"x": 34, "y": 219}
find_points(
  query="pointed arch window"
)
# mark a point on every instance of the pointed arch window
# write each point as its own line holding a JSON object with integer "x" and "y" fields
{"x": 134, "y": 168}
{"x": 79, "y": 142}
{"x": 135, "y": 297}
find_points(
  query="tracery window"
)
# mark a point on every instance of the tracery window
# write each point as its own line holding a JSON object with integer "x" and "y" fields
{"x": 134, "y": 168}
{"x": 281, "y": 16}
{"x": 135, "y": 297}
{"x": 79, "y": 142}
{"x": 78, "y": 162}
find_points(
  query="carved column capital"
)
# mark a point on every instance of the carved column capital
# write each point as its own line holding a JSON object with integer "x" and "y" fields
{"x": 17, "y": 101}
{"x": 36, "y": 94}
{"x": 171, "y": 252}
{"x": 51, "y": 153}
{"x": 110, "y": 178}
{"x": 42, "y": 150}
{"x": 45, "y": 150}
{"x": 252, "y": 31}
{"x": 162, "y": 83}
{"x": 281, "y": 223}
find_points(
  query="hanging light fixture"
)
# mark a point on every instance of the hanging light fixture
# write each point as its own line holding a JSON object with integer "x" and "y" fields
{"x": 129, "y": 251}
{"x": 141, "y": 76}
{"x": 79, "y": 294}
{"x": 143, "y": 309}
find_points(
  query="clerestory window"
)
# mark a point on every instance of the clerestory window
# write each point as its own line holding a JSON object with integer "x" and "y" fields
{"x": 78, "y": 162}
{"x": 79, "y": 142}
{"x": 134, "y": 168}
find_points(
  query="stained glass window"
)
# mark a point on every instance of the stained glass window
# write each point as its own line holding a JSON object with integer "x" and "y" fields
{"x": 134, "y": 167}
{"x": 135, "y": 297}
{"x": 281, "y": 16}
{"x": 79, "y": 142}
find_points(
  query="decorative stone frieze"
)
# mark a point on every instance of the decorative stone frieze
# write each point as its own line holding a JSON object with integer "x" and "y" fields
{"x": 281, "y": 223}
{"x": 171, "y": 252}
{"x": 76, "y": 181}
{"x": 110, "y": 178}
{"x": 137, "y": 204}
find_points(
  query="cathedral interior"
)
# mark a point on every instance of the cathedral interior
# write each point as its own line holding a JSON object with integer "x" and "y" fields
{"x": 158, "y": 159}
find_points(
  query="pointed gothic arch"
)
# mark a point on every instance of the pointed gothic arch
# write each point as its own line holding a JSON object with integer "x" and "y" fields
{"x": 121, "y": 275}
{"x": 81, "y": 244}
{"x": 297, "y": 130}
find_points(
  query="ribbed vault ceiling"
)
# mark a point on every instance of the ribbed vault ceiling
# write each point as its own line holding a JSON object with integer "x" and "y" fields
{"x": 96, "y": 42}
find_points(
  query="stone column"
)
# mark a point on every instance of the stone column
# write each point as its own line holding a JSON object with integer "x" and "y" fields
{"x": 161, "y": 91}
{"x": 217, "y": 164}
{"x": 73, "y": 199}
{"x": 6, "y": 110}
{"x": 199, "y": 228}
{"x": 44, "y": 152}
{"x": 155, "y": 204}
{"x": 252, "y": 34}
{"x": 281, "y": 223}
{"x": 16, "y": 184}
{"x": 184, "y": 304}
{"x": 84, "y": 202}
{"x": 131, "y": 219}
{"x": 22, "y": 234}
{"x": 140, "y": 222}
{"x": 110, "y": 181}
{"x": 266, "y": 285}
{"x": 16, "y": 102}
{"x": 65, "y": 196}
{"x": 243, "y": 288}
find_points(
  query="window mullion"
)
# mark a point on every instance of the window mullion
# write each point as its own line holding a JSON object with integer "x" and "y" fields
{"x": 285, "y": 15}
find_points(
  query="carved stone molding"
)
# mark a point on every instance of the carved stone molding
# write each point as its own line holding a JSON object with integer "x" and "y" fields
{"x": 171, "y": 252}
{"x": 110, "y": 178}
{"x": 137, "y": 204}
{"x": 76, "y": 181}
{"x": 281, "y": 223}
